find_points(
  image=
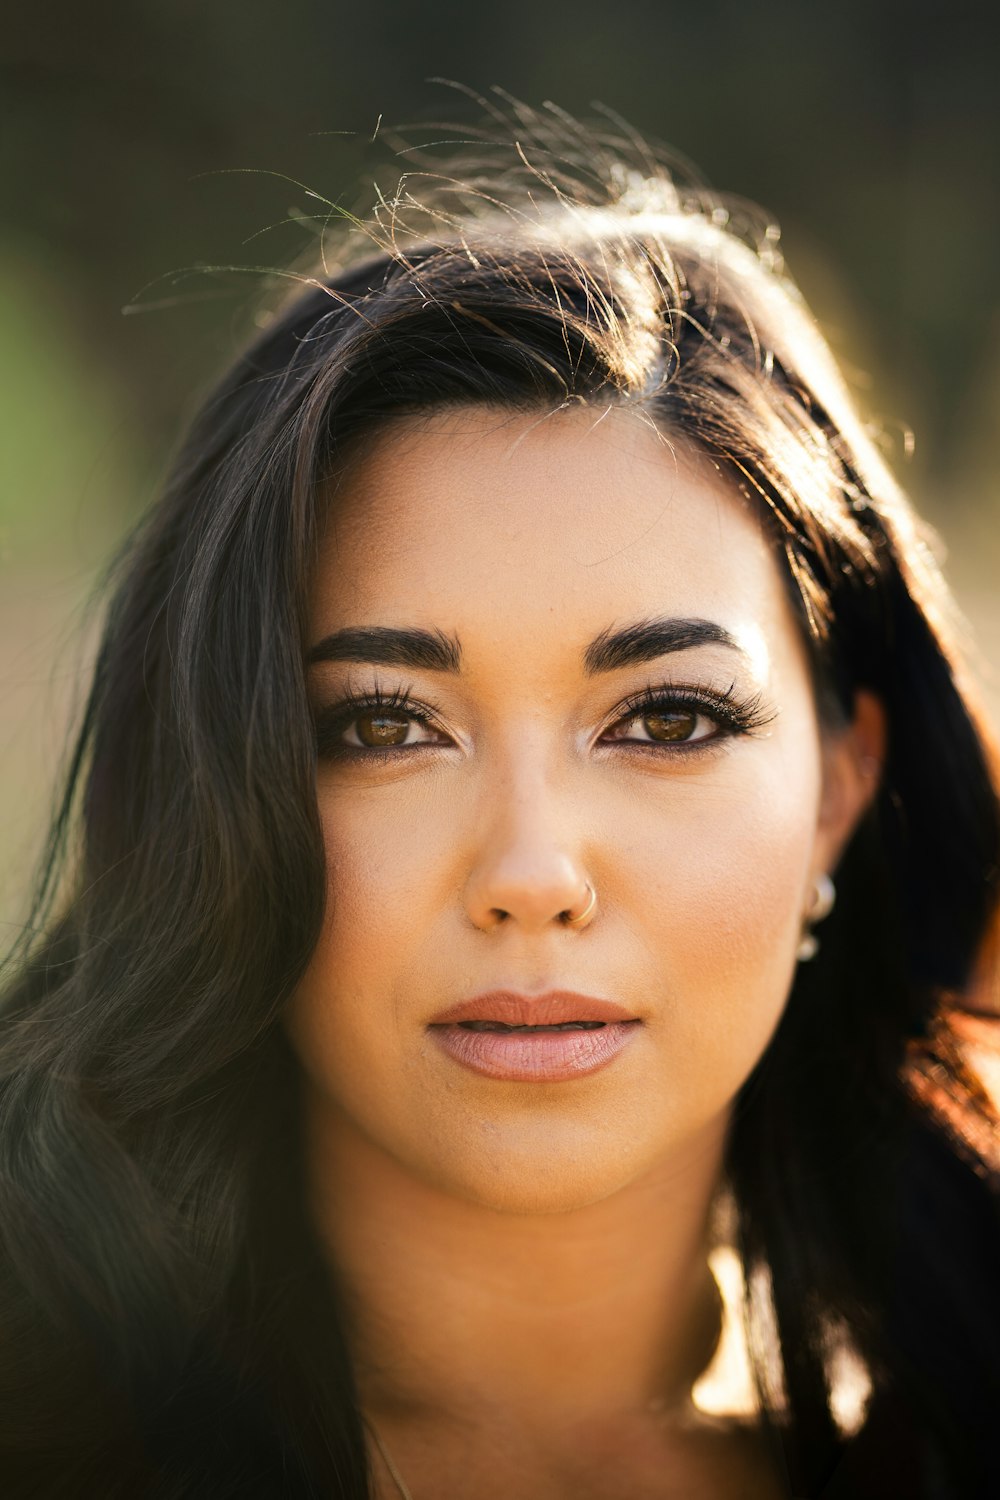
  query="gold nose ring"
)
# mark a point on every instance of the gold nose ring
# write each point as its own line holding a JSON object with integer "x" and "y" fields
{"x": 587, "y": 912}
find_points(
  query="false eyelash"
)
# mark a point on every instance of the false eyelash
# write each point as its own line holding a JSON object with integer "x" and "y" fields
{"x": 734, "y": 714}
{"x": 738, "y": 715}
{"x": 375, "y": 697}
{"x": 331, "y": 721}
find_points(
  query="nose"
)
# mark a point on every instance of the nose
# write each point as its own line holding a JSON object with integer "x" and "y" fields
{"x": 526, "y": 868}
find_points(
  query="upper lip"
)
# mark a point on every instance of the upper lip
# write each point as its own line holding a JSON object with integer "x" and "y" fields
{"x": 552, "y": 1008}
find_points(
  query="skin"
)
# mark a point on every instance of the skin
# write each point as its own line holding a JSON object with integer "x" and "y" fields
{"x": 525, "y": 1263}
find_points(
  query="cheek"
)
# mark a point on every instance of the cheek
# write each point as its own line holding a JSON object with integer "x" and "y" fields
{"x": 720, "y": 875}
{"x": 349, "y": 1010}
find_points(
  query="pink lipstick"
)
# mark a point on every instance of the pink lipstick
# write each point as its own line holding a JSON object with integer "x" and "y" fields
{"x": 546, "y": 1038}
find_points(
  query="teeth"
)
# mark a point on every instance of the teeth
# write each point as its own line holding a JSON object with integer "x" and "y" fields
{"x": 559, "y": 1026}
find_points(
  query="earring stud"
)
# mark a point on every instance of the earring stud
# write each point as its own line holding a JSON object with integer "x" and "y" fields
{"x": 824, "y": 894}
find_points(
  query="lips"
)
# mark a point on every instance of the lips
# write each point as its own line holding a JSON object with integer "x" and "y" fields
{"x": 551, "y": 1037}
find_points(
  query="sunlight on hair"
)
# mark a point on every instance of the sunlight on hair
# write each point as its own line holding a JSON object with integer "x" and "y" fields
{"x": 726, "y": 1388}
{"x": 850, "y": 1385}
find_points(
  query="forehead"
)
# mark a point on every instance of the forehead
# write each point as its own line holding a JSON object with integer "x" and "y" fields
{"x": 503, "y": 524}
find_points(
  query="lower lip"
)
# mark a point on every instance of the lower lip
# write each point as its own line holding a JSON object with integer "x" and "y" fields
{"x": 535, "y": 1056}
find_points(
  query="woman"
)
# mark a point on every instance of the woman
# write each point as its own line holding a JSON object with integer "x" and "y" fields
{"x": 441, "y": 966}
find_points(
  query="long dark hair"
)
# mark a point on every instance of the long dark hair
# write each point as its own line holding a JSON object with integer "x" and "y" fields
{"x": 168, "y": 1326}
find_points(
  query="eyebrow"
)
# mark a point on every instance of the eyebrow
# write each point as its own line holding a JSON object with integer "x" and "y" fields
{"x": 647, "y": 639}
{"x": 433, "y": 650}
{"x": 388, "y": 646}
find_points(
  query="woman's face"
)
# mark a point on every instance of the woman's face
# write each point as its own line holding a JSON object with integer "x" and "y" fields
{"x": 585, "y": 669}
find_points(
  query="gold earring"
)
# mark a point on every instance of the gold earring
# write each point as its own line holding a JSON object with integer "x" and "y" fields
{"x": 821, "y": 905}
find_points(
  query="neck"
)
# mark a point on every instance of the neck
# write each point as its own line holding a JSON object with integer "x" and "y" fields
{"x": 456, "y": 1309}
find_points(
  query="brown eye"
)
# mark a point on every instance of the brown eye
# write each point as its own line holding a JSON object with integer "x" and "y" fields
{"x": 674, "y": 724}
{"x": 359, "y": 727}
{"x": 375, "y": 730}
{"x": 666, "y": 723}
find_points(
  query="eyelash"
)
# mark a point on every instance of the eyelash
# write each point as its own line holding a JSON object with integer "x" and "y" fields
{"x": 332, "y": 721}
{"x": 732, "y": 715}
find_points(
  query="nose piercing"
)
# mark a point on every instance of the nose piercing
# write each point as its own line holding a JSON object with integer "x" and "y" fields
{"x": 588, "y": 910}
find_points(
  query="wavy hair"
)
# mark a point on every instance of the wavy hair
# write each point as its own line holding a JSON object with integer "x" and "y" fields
{"x": 168, "y": 1326}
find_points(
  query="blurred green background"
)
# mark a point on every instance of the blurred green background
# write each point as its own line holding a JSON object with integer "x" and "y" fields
{"x": 869, "y": 130}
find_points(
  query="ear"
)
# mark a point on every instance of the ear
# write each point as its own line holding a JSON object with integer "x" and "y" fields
{"x": 853, "y": 758}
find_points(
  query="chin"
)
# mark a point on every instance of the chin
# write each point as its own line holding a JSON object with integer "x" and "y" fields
{"x": 513, "y": 1177}
{"x": 528, "y": 1195}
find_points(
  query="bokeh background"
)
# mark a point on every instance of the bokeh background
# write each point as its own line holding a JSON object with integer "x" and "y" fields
{"x": 143, "y": 142}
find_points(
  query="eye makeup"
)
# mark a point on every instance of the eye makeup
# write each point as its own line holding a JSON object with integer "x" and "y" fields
{"x": 374, "y": 713}
{"x": 672, "y": 715}
{"x": 672, "y": 719}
